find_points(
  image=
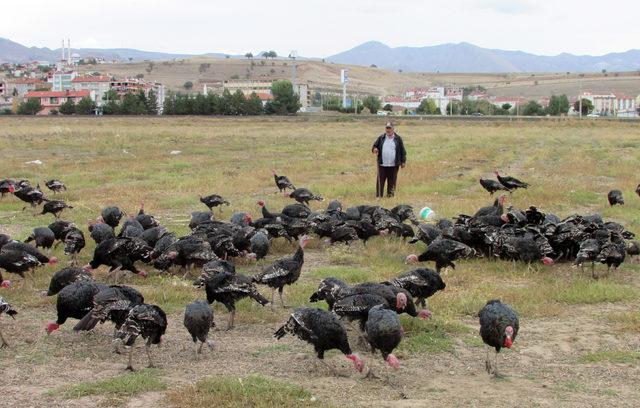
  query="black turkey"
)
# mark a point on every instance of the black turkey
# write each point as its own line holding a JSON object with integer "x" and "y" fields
{"x": 214, "y": 200}
{"x": 74, "y": 301}
{"x": 6, "y": 308}
{"x": 615, "y": 197}
{"x": 498, "y": 328}
{"x": 510, "y": 183}
{"x": 282, "y": 182}
{"x": 283, "y": 272}
{"x": 56, "y": 186}
{"x": 492, "y": 186}
{"x": 112, "y": 303}
{"x": 304, "y": 195}
{"x": 443, "y": 252}
{"x": 42, "y": 237}
{"x": 74, "y": 242}
{"x": 65, "y": 277}
{"x": 112, "y": 216}
{"x": 198, "y": 319}
{"x": 148, "y": 321}
{"x": 422, "y": 283}
{"x": 321, "y": 329}
{"x": 384, "y": 333}
{"x": 54, "y": 207}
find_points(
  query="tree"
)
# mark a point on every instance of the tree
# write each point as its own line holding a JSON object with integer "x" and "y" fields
{"x": 285, "y": 100}
{"x": 31, "y": 107}
{"x": 506, "y": 107}
{"x": 68, "y": 107}
{"x": 454, "y": 108}
{"x": 248, "y": 55}
{"x": 533, "y": 108}
{"x": 372, "y": 103}
{"x": 558, "y": 105}
{"x": 427, "y": 107}
{"x": 253, "y": 105}
{"x": 85, "y": 106}
{"x": 387, "y": 107}
{"x": 152, "y": 103}
{"x": 587, "y": 106}
{"x": 188, "y": 85}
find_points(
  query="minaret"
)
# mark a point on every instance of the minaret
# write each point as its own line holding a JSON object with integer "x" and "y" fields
{"x": 69, "y": 51}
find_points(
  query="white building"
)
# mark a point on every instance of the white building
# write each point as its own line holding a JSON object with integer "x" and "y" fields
{"x": 61, "y": 80}
{"x": 99, "y": 85}
{"x": 612, "y": 104}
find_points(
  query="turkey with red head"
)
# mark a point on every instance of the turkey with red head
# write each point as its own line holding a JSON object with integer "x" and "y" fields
{"x": 321, "y": 329}
{"x": 499, "y": 327}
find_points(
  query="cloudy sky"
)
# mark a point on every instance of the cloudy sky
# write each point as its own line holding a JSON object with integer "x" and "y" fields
{"x": 321, "y": 28}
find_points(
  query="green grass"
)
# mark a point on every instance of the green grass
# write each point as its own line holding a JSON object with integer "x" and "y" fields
{"x": 255, "y": 391}
{"x": 125, "y": 385}
{"x": 592, "y": 292}
{"x": 617, "y": 357}
{"x": 628, "y": 321}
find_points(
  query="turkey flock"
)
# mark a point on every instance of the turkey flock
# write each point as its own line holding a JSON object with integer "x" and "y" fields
{"x": 129, "y": 244}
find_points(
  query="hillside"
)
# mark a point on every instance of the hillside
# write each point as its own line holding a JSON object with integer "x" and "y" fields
{"x": 367, "y": 80}
{"x": 465, "y": 57}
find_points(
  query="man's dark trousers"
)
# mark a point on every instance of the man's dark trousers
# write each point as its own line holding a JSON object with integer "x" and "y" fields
{"x": 388, "y": 175}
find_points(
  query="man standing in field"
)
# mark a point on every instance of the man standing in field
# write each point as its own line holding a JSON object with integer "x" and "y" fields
{"x": 391, "y": 156}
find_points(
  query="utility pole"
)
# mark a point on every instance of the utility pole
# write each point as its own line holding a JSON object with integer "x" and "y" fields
{"x": 580, "y": 98}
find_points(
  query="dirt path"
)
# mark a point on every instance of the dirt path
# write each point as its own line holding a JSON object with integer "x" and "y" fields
{"x": 541, "y": 370}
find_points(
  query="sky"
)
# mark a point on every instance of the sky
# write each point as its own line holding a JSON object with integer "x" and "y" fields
{"x": 320, "y": 28}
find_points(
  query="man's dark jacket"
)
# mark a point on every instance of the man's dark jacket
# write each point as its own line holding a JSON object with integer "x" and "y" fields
{"x": 401, "y": 153}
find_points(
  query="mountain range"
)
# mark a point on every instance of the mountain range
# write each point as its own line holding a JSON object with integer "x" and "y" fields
{"x": 465, "y": 57}
{"x": 462, "y": 57}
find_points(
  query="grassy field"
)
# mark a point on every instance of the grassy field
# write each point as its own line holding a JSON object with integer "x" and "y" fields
{"x": 578, "y": 343}
{"x": 367, "y": 80}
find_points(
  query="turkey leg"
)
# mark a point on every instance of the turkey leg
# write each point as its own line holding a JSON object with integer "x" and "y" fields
{"x": 148, "y": 348}
{"x": 232, "y": 316}
{"x": 280, "y": 290}
{"x": 273, "y": 298}
{"x": 4, "y": 342}
{"x": 130, "y": 366}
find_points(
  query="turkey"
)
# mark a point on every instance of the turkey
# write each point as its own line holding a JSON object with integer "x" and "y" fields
{"x": 74, "y": 301}
{"x": 65, "y": 277}
{"x": 42, "y": 237}
{"x": 198, "y": 319}
{"x": 523, "y": 248}
{"x": 498, "y": 328}
{"x": 111, "y": 303}
{"x": 73, "y": 244}
{"x": 356, "y": 307}
{"x": 213, "y": 200}
{"x": 511, "y": 183}
{"x": 633, "y": 249}
{"x": 496, "y": 209}
{"x": 422, "y": 283}
{"x": 426, "y": 233}
{"x": 638, "y": 190}
{"x": 148, "y": 321}
{"x": 120, "y": 254}
{"x": 6, "y": 187}
{"x": 615, "y": 198}
{"x": 241, "y": 218}
{"x": 329, "y": 290}
{"x": 321, "y": 329}
{"x": 492, "y": 186}
{"x": 55, "y": 185}
{"x": 211, "y": 268}
{"x": 227, "y": 287}
{"x": 405, "y": 212}
{"x": 384, "y": 333}
{"x": 613, "y": 252}
{"x": 283, "y": 272}
{"x": 54, "y": 207}
{"x": 443, "y": 252}
{"x": 260, "y": 244}
{"x": 112, "y": 216}
{"x": 4, "y": 240}
{"x": 100, "y": 231}
{"x": 131, "y": 228}
{"x": 30, "y": 195}
{"x": 31, "y": 250}
{"x": 17, "y": 262}
{"x": 60, "y": 229}
{"x": 304, "y": 195}
{"x": 282, "y": 182}
{"x": 187, "y": 252}
{"x": 6, "y": 308}
{"x": 152, "y": 235}
{"x": 397, "y": 299}
{"x": 199, "y": 217}
{"x": 146, "y": 220}
{"x": 588, "y": 252}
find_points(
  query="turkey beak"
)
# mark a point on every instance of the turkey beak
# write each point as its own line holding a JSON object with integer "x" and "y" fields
{"x": 508, "y": 342}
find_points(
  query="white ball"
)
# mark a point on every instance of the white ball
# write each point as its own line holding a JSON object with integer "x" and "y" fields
{"x": 427, "y": 213}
